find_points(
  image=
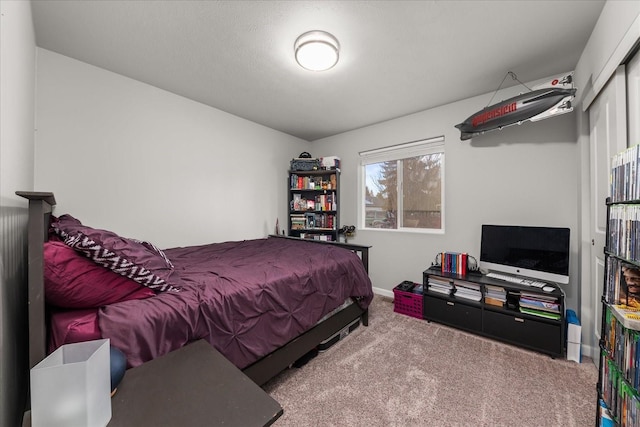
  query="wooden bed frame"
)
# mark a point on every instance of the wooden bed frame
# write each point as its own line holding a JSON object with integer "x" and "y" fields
{"x": 40, "y": 209}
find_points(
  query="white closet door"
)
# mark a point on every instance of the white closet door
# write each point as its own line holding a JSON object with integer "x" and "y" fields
{"x": 608, "y": 136}
{"x": 633, "y": 99}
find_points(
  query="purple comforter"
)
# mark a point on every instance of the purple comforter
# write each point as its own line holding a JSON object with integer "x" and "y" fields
{"x": 246, "y": 298}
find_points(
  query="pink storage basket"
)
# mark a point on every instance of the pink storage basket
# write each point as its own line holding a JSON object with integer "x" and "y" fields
{"x": 407, "y": 303}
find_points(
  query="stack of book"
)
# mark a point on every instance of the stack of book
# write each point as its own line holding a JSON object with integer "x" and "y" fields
{"x": 539, "y": 305}
{"x": 440, "y": 285}
{"x": 298, "y": 222}
{"x": 495, "y": 295}
{"x": 467, "y": 290}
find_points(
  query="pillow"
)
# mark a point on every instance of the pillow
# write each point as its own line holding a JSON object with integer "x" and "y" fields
{"x": 74, "y": 281}
{"x": 128, "y": 257}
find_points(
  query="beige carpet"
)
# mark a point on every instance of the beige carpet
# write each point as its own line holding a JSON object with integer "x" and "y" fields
{"x": 401, "y": 371}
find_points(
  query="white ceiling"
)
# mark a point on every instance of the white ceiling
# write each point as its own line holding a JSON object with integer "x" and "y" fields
{"x": 397, "y": 57}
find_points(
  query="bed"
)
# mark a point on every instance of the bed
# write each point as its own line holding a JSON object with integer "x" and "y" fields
{"x": 263, "y": 303}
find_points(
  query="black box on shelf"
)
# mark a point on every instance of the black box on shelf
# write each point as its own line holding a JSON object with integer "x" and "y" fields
{"x": 304, "y": 164}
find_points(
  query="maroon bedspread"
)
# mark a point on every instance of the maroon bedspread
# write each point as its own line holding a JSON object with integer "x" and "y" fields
{"x": 246, "y": 298}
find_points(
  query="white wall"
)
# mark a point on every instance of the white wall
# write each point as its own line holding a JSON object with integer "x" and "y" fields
{"x": 129, "y": 157}
{"x": 524, "y": 175}
{"x": 17, "y": 86}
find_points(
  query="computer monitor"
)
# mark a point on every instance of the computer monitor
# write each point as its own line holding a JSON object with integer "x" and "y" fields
{"x": 534, "y": 252}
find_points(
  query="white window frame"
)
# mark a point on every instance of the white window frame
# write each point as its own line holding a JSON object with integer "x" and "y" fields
{"x": 397, "y": 152}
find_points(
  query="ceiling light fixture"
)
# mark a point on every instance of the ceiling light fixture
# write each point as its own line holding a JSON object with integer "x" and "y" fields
{"x": 317, "y": 50}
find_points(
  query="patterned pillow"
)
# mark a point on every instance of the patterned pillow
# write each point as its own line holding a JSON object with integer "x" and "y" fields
{"x": 127, "y": 257}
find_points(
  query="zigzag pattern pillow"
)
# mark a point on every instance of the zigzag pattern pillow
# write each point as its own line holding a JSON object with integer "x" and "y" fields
{"x": 126, "y": 257}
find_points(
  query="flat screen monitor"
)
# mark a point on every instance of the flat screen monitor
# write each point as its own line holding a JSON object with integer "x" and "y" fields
{"x": 533, "y": 252}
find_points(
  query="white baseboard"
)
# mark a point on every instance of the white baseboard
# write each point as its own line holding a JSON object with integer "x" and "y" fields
{"x": 592, "y": 352}
{"x": 383, "y": 292}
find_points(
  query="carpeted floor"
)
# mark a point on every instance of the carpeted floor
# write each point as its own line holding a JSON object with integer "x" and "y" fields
{"x": 401, "y": 371}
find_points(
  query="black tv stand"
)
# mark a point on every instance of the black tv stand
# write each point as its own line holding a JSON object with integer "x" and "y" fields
{"x": 504, "y": 323}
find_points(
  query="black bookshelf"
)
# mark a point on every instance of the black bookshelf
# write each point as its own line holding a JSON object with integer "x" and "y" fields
{"x": 314, "y": 202}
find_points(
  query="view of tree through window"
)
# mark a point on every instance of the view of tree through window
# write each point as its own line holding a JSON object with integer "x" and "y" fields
{"x": 405, "y": 193}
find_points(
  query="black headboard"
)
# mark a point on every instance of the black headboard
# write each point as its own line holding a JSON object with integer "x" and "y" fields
{"x": 40, "y": 206}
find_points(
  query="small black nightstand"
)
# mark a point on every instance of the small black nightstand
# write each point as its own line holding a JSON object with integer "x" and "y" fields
{"x": 191, "y": 386}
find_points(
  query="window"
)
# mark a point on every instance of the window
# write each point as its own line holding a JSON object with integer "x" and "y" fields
{"x": 402, "y": 187}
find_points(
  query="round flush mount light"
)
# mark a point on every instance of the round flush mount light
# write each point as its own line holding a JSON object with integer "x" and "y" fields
{"x": 317, "y": 50}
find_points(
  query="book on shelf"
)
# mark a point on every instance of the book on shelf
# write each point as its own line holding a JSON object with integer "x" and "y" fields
{"x": 628, "y": 316}
{"x": 622, "y": 284}
{"x": 468, "y": 294}
{"x": 439, "y": 285}
{"x": 468, "y": 290}
{"x": 454, "y": 262}
{"x": 495, "y": 295}
{"x": 538, "y": 297}
{"x": 537, "y": 304}
{"x": 323, "y": 202}
{"x": 298, "y": 182}
{"x": 494, "y": 301}
{"x": 438, "y": 281}
{"x": 540, "y": 313}
{"x": 440, "y": 290}
{"x": 625, "y": 176}
{"x": 501, "y": 297}
{"x": 495, "y": 289}
{"x": 468, "y": 285}
{"x": 624, "y": 231}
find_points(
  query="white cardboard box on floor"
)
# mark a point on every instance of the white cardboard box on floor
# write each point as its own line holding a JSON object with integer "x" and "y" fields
{"x": 573, "y": 352}
{"x": 574, "y": 337}
{"x": 573, "y": 333}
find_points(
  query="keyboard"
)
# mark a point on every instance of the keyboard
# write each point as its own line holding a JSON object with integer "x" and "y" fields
{"x": 518, "y": 280}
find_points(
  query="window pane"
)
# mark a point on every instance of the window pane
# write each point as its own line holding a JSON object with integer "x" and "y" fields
{"x": 403, "y": 186}
{"x": 422, "y": 191}
{"x": 381, "y": 194}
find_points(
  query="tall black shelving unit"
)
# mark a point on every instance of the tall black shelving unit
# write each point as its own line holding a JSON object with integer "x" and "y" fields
{"x": 619, "y": 368}
{"x": 314, "y": 204}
